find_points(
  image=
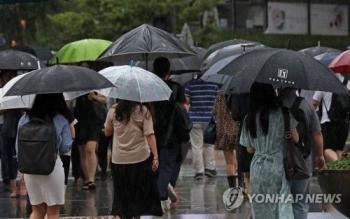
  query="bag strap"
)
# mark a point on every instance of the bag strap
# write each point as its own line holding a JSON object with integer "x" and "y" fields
{"x": 288, "y": 136}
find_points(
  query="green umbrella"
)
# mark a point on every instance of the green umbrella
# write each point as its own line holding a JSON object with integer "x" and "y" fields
{"x": 81, "y": 50}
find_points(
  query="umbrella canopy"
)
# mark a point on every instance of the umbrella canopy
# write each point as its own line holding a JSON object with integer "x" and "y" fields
{"x": 16, "y": 60}
{"x": 327, "y": 57}
{"x": 341, "y": 64}
{"x": 42, "y": 53}
{"x": 211, "y": 75}
{"x": 81, "y": 50}
{"x": 223, "y": 44}
{"x": 180, "y": 65}
{"x": 15, "y": 102}
{"x": 281, "y": 68}
{"x": 317, "y": 50}
{"x": 146, "y": 43}
{"x": 183, "y": 79}
{"x": 58, "y": 79}
{"x": 134, "y": 84}
{"x": 220, "y": 54}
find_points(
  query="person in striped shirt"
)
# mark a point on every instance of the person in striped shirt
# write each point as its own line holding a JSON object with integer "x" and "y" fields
{"x": 200, "y": 96}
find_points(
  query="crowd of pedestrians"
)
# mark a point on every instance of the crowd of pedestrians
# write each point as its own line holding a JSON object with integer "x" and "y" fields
{"x": 146, "y": 158}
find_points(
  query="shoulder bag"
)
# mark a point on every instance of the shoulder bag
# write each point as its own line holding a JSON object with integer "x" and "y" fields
{"x": 295, "y": 166}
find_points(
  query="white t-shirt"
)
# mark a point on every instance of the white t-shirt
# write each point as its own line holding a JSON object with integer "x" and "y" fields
{"x": 327, "y": 99}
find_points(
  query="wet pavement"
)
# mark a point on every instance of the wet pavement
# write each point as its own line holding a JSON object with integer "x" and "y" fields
{"x": 197, "y": 199}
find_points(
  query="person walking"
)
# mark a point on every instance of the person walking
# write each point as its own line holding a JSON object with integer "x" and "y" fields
{"x": 311, "y": 138}
{"x": 200, "y": 96}
{"x": 263, "y": 133}
{"x": 227, "y": 137}
{"x": 47, "y": 192}
{"x": 334, "y": 133}
{"x": 134, "y": 160}
{"x": 169, "y": 146}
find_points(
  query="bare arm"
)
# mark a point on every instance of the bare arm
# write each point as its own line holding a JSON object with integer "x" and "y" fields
{"x": 315, "y": 103}
{"x": 250, "y": 150}
{"x": 108, "y": 132}
{"x": 318, "y": 149}
{"x": 98, "y": 97}
{"x": 295, "y": 135}
{"x": 151, "y": 139}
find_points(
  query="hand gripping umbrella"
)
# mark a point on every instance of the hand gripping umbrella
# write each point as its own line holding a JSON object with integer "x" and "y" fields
{"x": 281, "y": 68}
{"x": 145, "y": 43}
{"x": 58, "y": 79}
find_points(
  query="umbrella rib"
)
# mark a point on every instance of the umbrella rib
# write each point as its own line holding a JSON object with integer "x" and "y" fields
{"x": 138, "y": 84}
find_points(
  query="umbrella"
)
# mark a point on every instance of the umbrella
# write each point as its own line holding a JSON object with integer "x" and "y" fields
{"x": 229, "y": 51}
{"x": 16, "y": 60}
{"x": 134, "y": 84}
{"x": 180, "y": 65}
{"x": 15, "y": 102}
{"x": 223, "y": 44}
{"x": 327, "y": 57}
{"x": 81, "y": 50}
{"x": 341, "y": 64}
{"x": 146, "y": 43}
{"x": 184, "y": 78}
{"x": 317, "y": 50}
{"x": 281, "y": 68}
{"x": 42, "y": 53}
{"x": 211, "y": 75}
{"x": 58, "y": 79}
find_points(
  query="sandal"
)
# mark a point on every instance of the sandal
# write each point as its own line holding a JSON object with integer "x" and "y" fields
{"x": 86, "y": 185}
{"x": 92, "y": 185}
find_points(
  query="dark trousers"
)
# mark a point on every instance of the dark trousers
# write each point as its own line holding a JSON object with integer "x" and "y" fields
{"x": 102, "y": 151}
{"x": 4, "y": 167}
{"x": 168, "y": 167}
{"x": 66, "y": 163}
{"x": 10, "y": 157}
{"x": 77, "y": 172}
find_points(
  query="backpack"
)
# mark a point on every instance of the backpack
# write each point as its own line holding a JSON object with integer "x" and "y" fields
{"x": 238, "y": 104}
{"x": 339, "y": 110}
{"x": 305, "y": 144}
{"x": 37, "y": 152}
{"x": 182, "y": 124}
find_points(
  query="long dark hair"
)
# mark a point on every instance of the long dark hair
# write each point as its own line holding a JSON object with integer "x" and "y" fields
{"x": 46, "y": 106}
{"x": 263, "y": 99}
{"x": 125, "y": 108}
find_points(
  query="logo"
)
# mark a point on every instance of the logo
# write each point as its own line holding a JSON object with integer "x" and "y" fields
{"x": 282, "y": 73}
{"x": 233, "y": 198}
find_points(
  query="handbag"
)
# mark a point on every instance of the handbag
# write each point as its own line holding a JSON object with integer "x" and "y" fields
{"x": 295, "y": 166}
{"x": 209, "y": 135}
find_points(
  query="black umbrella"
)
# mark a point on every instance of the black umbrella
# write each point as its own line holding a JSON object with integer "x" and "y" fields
{"x": 281, "y": 68}
{"x": 16, "y": 60}
{"x": 220, "y": 54}
{"x": 42, "y": 53}
{"x": 183, "y": 79}
{"x": 145, "y": 43}
{"x": 58, "y": 79}
{"x": 181, "y": 65}
{"x": 223, "y": 44}
{"x": 317, "y": 50}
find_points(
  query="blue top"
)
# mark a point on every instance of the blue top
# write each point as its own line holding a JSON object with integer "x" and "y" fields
{"x": 64, "y": 137}
{"x": 202, "y": 97}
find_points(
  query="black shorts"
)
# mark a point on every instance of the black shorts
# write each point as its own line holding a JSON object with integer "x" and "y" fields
{"x": 87, "y": 132}
{"x": 244, "y": 159}
{"x": 335, "y": 135}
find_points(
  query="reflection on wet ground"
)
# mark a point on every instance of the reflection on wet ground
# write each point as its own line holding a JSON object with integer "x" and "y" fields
{"x": 197, "y": 199}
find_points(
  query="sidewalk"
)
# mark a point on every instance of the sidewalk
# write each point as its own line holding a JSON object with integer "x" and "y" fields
{"x": 196, "y": 199}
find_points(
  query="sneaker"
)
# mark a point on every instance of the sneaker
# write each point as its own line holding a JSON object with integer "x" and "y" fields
{"x": 165, "y": 206}
{"x": 198, "y": 176}
{"x": 172, "y": 194}
{"x": 210, "y": 173}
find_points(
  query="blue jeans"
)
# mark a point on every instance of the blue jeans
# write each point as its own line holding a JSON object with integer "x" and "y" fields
{"x": 167, "y": 165}
{"x": 300, "y": 208}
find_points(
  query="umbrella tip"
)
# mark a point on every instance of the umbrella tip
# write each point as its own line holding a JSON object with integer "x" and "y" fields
{"x": 131, "y": 63}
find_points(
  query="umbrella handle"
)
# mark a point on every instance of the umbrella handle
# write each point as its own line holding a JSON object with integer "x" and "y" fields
{"x": 131, "y": 63}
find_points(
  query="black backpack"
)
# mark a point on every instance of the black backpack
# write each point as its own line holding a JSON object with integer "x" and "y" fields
{"x": 339, "y": 110}
{"x": 37, "y": 152}
{"x": 305, "y": 144}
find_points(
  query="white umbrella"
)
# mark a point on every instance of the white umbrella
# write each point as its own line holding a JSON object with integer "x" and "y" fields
{"x": 134, "y": 84}
{"x": 15, "y": 102}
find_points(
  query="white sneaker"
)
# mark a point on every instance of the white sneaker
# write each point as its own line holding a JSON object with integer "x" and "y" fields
{"x": 172, "y": 194}
{"x": 165, "y": 206}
